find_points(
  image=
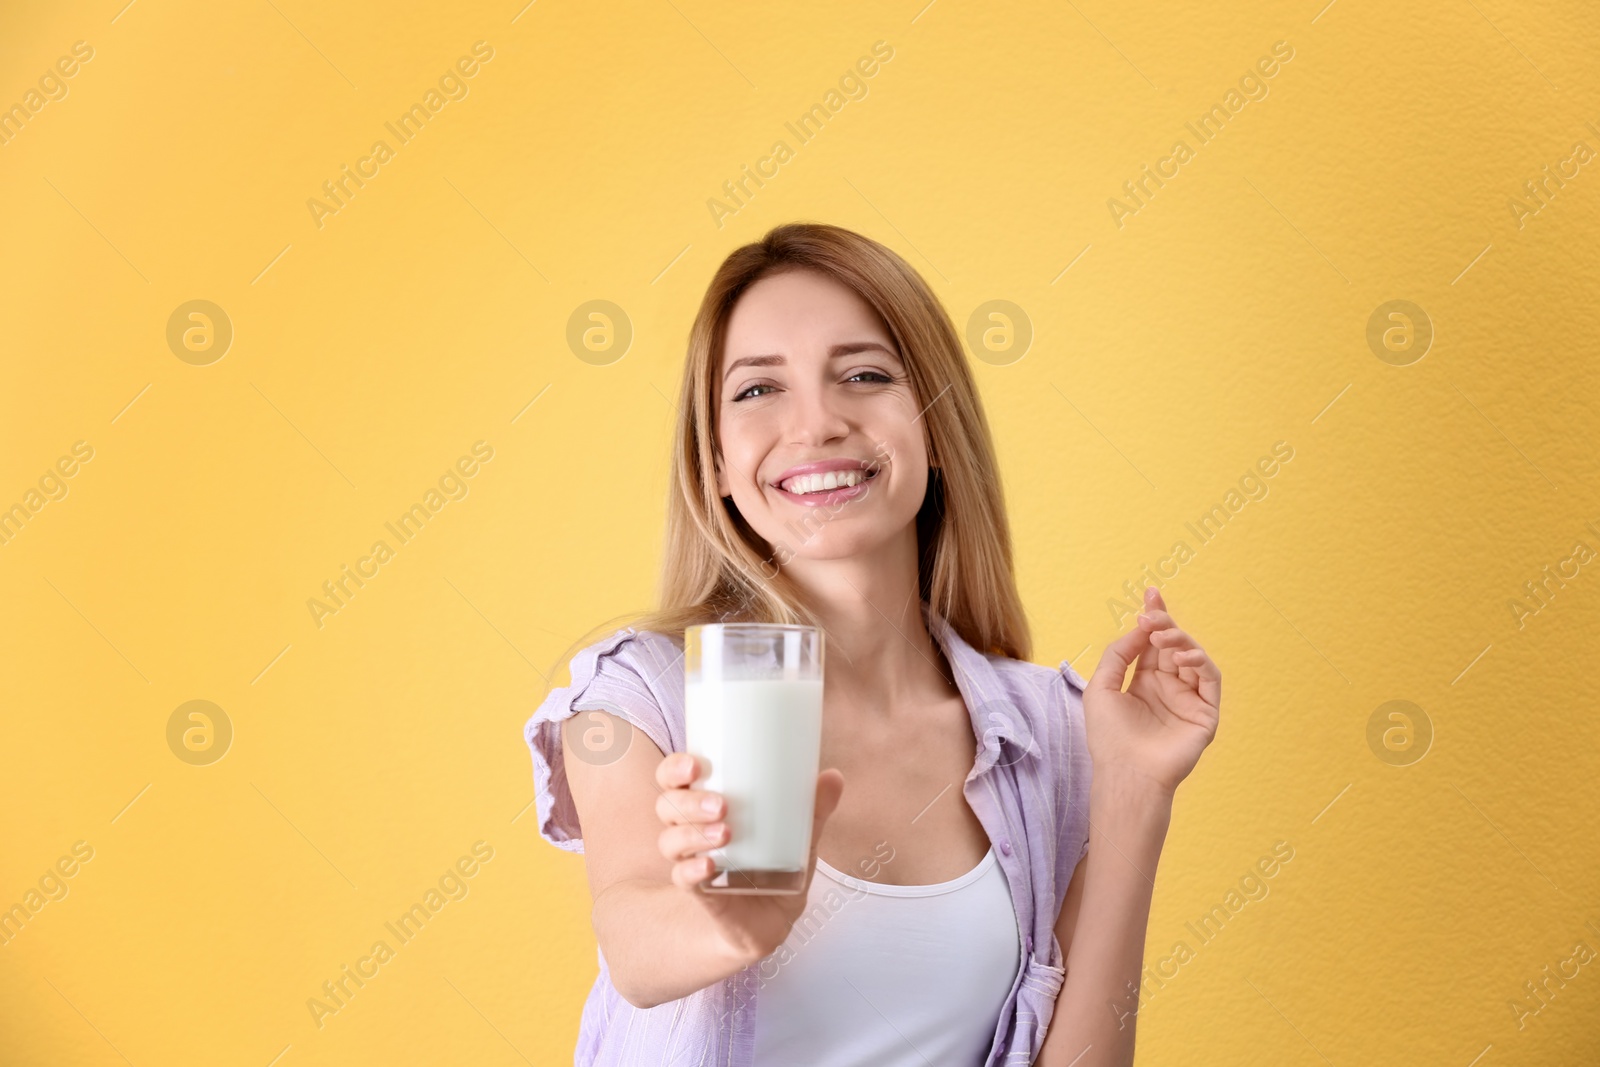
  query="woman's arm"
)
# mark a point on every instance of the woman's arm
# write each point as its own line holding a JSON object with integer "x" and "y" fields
{"x": 1104, "y": 917}
{"x": 645, "y": 833}
{"x": 659, "y": 942}
{"x": 1143, "y": 742}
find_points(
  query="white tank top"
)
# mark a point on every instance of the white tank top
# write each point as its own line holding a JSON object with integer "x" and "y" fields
{"x": 876, "y": 975}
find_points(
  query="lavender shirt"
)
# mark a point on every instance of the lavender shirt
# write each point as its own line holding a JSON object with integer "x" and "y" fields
{"x": 1029, "y": 787}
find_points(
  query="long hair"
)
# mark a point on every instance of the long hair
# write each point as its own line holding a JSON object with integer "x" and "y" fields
{"x": 716, "y": 568}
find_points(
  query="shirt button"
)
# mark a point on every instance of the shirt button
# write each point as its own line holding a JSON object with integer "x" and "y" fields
{"x": 1005, "y": 846}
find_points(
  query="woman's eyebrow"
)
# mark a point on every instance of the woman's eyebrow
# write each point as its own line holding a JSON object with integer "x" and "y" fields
{"x": 848, "y": 348}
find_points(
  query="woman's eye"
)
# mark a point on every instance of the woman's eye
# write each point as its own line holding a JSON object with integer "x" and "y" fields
{"x": 750, "y": 391}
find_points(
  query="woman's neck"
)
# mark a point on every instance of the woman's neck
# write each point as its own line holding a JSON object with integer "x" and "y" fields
{"x": 878, "y": 646}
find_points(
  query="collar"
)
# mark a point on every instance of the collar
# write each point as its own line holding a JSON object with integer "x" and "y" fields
{"x": 997, "y": 716}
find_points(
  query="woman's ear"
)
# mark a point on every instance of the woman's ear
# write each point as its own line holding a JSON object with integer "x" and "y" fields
{"x": 722, "y": 478}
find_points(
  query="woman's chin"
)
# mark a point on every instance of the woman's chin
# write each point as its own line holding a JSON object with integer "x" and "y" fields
{"x": 842, "y": 545}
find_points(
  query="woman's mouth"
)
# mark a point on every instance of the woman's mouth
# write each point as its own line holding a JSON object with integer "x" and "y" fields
{"x": 832, "y": 487}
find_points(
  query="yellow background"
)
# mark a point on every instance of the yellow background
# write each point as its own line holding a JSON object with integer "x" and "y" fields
{"x": 1229, "y": 313}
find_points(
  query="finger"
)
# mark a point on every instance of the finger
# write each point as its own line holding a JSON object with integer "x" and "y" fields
{"x": 830, "y": 786}
{"x": 1155, "y": 619}
{"x": 1185, "y": 669}
{"x": 679, "y": 769}
{"x": 689, "y": 805}
{"x": 1152, "y": 659}
{"x": 686, "y": 841}
{"x": 1186, "y": 673}
{"x": 1173, "y": 639}
{"x": 1171, "y": 642}
{"x": 689, "y": 873}
{"x": 1209, "y": 677}
{"x": 1156, "y": 605}
{"x": 1114, "y": 661}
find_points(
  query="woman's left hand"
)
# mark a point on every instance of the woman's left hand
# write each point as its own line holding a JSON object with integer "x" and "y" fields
{"x": 1156, "y": 730}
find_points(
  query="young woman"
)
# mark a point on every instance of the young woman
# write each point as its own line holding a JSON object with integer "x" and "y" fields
{"x": 979, "y": 892}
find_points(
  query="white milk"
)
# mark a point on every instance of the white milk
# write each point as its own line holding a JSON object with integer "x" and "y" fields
{"x": 763, "y": 739}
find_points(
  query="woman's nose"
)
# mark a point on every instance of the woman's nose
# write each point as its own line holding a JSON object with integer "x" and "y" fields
{"x": 816, "y": 419}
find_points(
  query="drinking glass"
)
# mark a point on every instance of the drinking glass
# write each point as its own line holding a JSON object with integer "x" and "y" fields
{"x": 753, "y": 710}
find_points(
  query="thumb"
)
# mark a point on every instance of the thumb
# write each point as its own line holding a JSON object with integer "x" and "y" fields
{"x": 830, "y": 786}
{"x": 1119, "y": 654}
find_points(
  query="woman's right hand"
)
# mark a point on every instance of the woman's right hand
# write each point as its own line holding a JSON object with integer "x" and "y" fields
{"x": 753, "y": 926}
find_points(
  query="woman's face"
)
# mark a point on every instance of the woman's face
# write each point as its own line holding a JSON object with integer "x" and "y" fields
{"x": 810, "y": 376}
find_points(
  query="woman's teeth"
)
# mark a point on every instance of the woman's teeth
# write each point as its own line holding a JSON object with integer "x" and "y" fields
{"x": 818, "y": 483}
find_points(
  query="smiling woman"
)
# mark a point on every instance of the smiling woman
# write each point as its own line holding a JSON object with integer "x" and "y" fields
{"x": 818, "y": 323}
{"x": 833, "y": 468}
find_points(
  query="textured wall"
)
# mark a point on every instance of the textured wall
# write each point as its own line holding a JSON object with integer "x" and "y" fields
{"x": 187, "y": 485}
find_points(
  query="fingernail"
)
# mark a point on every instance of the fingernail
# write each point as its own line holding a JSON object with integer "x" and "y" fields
{"x": 1149, "y": 592}
{"x": 710, "y": 805}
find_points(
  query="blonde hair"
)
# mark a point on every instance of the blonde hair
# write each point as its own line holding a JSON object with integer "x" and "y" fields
{"x": 715, "y": 567}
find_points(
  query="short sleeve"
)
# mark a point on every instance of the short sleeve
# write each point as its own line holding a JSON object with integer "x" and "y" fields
{"x": 1079, "y": 770}
{"x": 629, "y": 674}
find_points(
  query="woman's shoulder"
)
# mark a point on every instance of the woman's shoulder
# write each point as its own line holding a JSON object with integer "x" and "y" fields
{"x": 1046, "y": 705}
{"x": 1036, "y": 679}
{"x": 647, "y": 652}
{"x": 634, "y": 675}
{"x": 629, "y": 667}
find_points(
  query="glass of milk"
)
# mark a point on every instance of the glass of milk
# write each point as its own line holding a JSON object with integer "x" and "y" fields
{"x": 753, "y": 710}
